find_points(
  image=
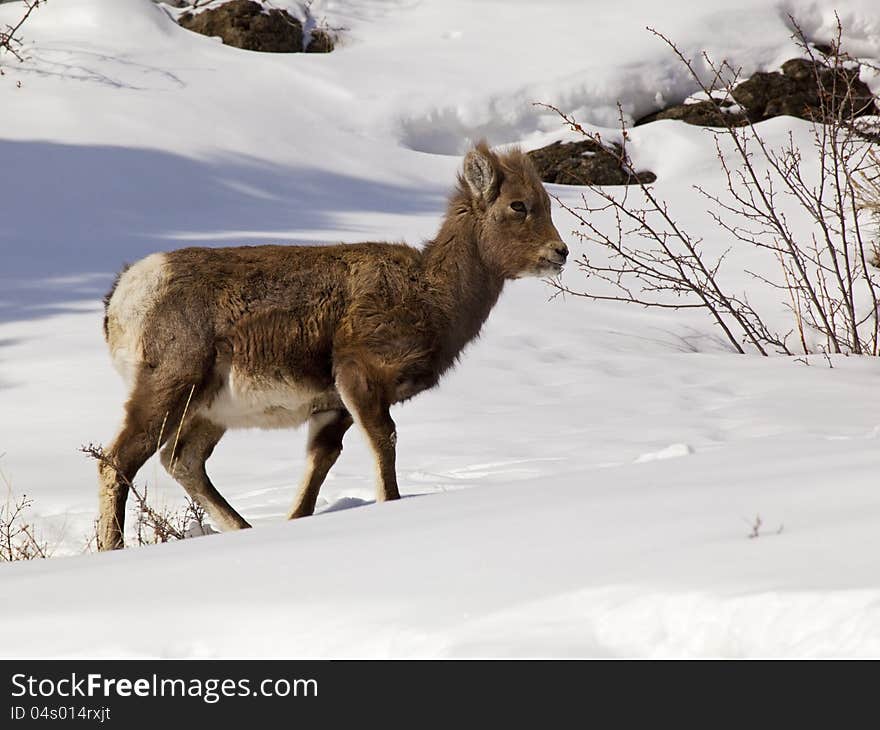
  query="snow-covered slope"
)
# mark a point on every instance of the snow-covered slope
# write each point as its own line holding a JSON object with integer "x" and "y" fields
{"x": 583, "y": 484}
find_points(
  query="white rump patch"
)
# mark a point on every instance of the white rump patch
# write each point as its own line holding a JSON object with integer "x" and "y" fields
{"x": 137, "y": 292}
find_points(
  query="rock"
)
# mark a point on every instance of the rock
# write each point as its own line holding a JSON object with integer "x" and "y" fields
{"x": 321, "y": 41}
{"x": 702, "y": 113}
{"x": 868, "y": 128}
{"x": 755, "y": 93}
{"x": 796, "y": 91}
{"x": 795, "y": 105}
{"x": 584, "y": 163}
{"x": 800, "y": 89}
{"x": 800, "y": 69}
{"x": 245, "y": 24}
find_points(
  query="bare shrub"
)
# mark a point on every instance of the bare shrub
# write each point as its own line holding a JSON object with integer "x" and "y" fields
{"x": 868, "y": 191}
{"x": 825, "y": 278}
{"x": 18, "y": 538}
{"x": 90, "y": 544}
{"x": 756, "y": 525}
{"x": 10, "y": 42}
{"x": 153, "y": 524}
{"x": 164, "y": 524}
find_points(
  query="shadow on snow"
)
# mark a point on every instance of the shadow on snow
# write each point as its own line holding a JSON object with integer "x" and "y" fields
{"x": 73, "y": 215}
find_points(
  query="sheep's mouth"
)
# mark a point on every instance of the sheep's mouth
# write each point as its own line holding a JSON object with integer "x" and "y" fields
{"x": 555, "y": 266}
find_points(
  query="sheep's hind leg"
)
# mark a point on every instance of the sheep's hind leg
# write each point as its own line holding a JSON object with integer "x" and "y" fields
{"x": 184, "y": 459}
{"x": 152, "y": 412}
{"x": 326, "y": 430}
{"x": 116, "y": 471}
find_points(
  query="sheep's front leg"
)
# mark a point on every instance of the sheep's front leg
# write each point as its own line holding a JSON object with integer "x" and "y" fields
{"x": 326, "y": 430}
{"x": 365, "y": 397}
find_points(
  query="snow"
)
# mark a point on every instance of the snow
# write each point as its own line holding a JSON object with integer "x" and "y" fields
{"x": 584, "y": 483}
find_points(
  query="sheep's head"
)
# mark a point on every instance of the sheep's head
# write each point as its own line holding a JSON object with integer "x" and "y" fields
{"x": 516, "y": 234}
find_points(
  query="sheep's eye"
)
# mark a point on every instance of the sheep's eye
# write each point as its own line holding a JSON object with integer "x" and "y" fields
{"x": 518, "y": 206}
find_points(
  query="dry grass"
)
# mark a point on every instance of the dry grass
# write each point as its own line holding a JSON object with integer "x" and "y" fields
{"x": 18, "y": 538}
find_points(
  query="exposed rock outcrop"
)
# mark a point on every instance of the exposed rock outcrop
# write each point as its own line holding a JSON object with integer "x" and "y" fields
{"x": 701, "y": 113}
{"x": 320, "y": 41}
{"x": 585, "y": 163}
{"x": 798, "y": 90}
{"x": 246, "y": 24}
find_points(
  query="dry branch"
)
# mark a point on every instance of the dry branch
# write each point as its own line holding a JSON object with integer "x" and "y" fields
{"x": 9, "y": 40}
{"x": 18, "y": 538}
{"x": 156, "y": 525}
{"x": 827, "y": 279}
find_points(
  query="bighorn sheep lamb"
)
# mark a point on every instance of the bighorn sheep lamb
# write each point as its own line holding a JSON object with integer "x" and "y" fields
{"x": 274, "y": 336}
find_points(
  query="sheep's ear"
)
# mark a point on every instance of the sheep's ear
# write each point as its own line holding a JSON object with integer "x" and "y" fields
{"x": 480, "y": 172}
